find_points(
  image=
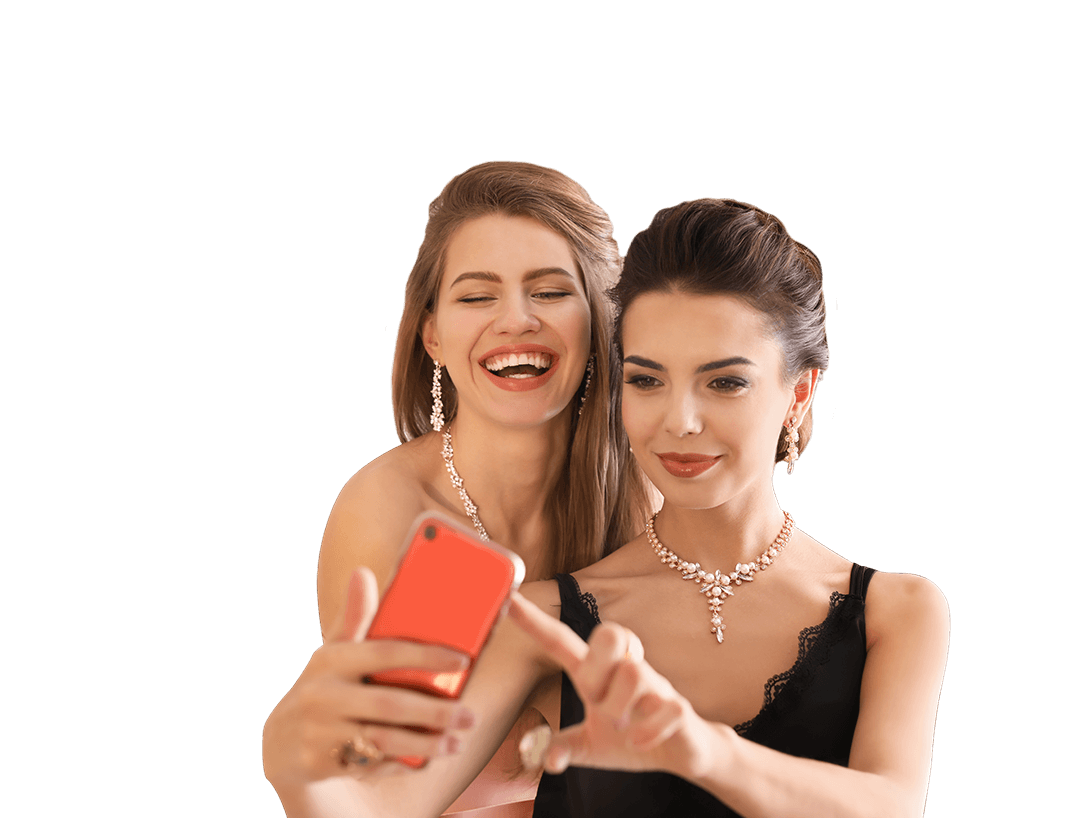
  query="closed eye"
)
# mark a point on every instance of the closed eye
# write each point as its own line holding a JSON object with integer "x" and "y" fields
{"x": 545, "y": 295}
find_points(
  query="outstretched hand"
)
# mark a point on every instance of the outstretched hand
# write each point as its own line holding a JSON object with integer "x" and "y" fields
{"x": 634, "y": 718}
{"x": 329, "y": 705}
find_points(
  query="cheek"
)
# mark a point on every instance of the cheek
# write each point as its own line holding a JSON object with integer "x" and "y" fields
{"x": 570, "y": 317}
{"x": 637, "y": 418}
{"x": 458, "y": 330}
{"x": 580, "y": 331}
{"x": 752, "y": 433}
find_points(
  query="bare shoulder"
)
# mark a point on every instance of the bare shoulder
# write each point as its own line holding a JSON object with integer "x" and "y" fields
{"x": 898, "y": 606}
{"x": 369, "y": 521}
{"x": 628, "y": 560}
{"x": 905, "y": 603}
{"x": 379, "y": 495}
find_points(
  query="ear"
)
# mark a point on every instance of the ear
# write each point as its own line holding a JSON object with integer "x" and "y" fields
{"x": 429, "y": 338}
{"x": 803, "y": 392}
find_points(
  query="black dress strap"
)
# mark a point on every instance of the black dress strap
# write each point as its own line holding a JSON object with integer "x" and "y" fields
{"x": 577, "y": 609}
{"x": 861, "y": 578}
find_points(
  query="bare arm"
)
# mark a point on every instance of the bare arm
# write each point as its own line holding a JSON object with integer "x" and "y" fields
{"x": 890, "y": 761}
{"x": 367, "y": 526}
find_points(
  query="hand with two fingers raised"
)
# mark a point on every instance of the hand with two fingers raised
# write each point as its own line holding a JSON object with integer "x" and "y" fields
{"x": 331, "y": 723}
{"x": 634, "y": 718}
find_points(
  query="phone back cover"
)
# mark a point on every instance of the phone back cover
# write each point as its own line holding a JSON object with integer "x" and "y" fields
{"x": 447, "y": 591}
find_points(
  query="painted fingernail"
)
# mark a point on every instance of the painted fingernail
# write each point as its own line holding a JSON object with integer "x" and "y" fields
{"x": 462, "y": 718}
{"x": 534, "y": 746}
{"x": 458, "y": 661}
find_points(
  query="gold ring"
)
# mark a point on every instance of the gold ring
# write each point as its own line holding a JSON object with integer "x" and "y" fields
{"x": 360, "y": 752}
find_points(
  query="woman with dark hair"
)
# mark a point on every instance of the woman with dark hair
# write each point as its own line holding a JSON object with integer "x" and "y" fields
{"x": 501, "y": 381}
{"x": 753, "y": 671}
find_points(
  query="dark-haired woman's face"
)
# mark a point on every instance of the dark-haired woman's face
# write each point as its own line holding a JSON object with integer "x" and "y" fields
{"x": 704, "y": 396}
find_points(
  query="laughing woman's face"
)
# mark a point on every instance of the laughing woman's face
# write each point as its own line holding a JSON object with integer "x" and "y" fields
{"x": 512, "y": 323}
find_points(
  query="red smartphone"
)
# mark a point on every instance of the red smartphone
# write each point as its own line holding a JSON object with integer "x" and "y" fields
{"x": 450, "y": 589}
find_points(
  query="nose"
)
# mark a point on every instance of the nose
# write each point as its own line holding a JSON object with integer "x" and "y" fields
{"x": 517, "y": 315}
{"x": 683, "y": 417}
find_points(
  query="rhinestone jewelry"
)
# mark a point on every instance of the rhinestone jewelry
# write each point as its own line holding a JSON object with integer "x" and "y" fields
{"x": 717, "y": 586}
{"x": 470, "y": 506}
{"x": 437, "y": 420}
{"x": 791, "y": 439}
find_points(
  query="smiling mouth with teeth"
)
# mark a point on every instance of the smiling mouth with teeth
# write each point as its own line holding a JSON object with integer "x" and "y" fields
{"x": 520, "y": 365}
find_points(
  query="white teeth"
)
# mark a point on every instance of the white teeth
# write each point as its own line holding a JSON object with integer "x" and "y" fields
{"x": 541, "y": 360}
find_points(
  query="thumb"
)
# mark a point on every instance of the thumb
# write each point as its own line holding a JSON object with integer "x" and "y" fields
{"x": 568, "y": 745}
{"x": 361, "y": 600}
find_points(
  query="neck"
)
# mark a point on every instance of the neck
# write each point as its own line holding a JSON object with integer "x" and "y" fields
{"x": 718, "y": 538}
{"x": 509, "y": 474}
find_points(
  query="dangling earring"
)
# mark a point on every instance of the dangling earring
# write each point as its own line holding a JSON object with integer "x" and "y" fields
{"x": 791, "y": 439}
{"x": 437, "y": 419}
{"x": 589, "y": 381}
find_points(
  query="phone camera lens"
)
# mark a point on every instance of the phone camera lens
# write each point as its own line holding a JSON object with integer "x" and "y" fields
{"x": 429, "y": 532}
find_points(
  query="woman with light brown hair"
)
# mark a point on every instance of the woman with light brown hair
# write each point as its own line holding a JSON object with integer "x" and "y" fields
{"x": 501, "y": 386}
{"x": 722, "y": 663}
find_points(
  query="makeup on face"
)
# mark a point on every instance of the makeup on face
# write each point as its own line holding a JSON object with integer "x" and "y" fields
{"x": 687, "y": 465}
{"x": 702, "y": 383}
{"x": 520, "y": 367}
{"x": 513, "y": 315}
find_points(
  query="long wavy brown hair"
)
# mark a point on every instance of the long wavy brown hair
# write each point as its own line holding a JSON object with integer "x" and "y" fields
{"x": 600, "y": 501}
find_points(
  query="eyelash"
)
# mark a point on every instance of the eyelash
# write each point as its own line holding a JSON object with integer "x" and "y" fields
{"x": 725, "y": 384}
{"x": 545, "y": 295}
{"x": 729, "y": 384}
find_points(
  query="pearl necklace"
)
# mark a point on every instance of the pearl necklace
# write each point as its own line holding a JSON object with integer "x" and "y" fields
{"x": 470, "y": 506}
{"x": 717, "y": 586}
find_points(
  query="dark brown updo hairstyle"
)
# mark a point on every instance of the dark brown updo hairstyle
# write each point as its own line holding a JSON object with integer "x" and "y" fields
{"x": 725, "y": 247}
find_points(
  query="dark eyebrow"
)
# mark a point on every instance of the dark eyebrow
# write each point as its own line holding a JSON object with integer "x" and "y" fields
{"x": 648, "y": 364}
{"x": 496, "y": 279}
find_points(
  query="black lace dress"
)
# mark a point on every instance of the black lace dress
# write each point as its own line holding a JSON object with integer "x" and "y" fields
{"x": 810, "y": 710}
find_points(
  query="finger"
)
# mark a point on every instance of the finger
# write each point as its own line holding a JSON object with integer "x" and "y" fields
{"x": 624, "y": 691}
{"x": 352, "y": 661}
{"x": 607, "y": 646}
{"x": 351, "y": 703}
{"x": 560, "y": 642}
{"x": 566, "y": 746}
{"x": 361, "y": 600}
{"x": 397, "y": 741}
{"x": 533, "y": 748}
{"x": 636, "y": 651}
{"x": 655, "y": 721}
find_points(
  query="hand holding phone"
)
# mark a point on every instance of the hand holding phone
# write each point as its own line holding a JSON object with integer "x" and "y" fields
{"x": 450, "y": 589}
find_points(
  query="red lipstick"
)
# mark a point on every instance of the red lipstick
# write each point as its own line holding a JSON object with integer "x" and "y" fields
{"x": 687, "y": 465}
{"x": 520, "y": 384}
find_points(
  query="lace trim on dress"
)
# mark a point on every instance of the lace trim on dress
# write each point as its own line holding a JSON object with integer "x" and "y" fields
{"x": 588, "y": 600}
{"x": 815, "y": 644}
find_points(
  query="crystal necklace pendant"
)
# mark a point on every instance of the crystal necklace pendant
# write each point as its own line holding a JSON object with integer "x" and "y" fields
{"x": 716, "y": 586}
